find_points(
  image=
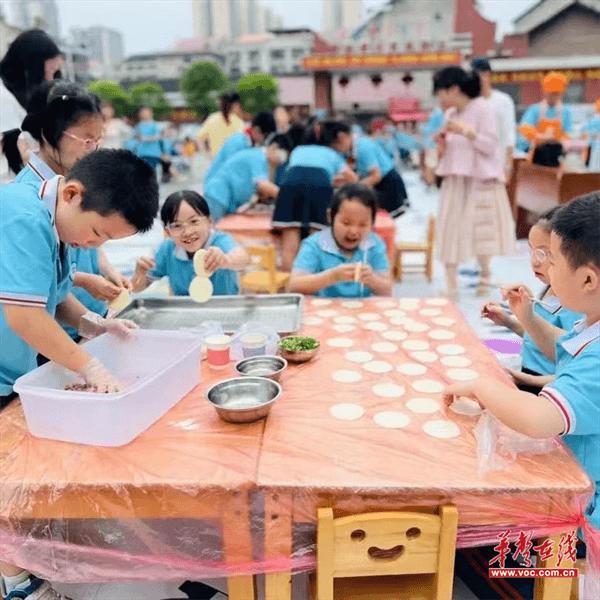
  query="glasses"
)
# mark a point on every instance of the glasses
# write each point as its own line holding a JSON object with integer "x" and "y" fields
{"x": 539, "y": 254}
{"x": 88, "y": 143}
{"x": 179, "y": 228}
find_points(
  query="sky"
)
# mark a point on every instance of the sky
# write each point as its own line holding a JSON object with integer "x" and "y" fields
{"x": 149, "y": 25}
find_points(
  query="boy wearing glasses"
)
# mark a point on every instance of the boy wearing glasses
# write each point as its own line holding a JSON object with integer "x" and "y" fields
{"x": 537, "y": 369}
{"x": 187, "y": 222}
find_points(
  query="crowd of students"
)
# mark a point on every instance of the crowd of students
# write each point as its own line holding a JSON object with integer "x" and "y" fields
{"x": 69, "y": 196}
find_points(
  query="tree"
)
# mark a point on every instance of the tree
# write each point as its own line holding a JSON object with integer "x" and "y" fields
{"x": 201, "y": 84}
{"x": 152, "y": 95}
{"x": 258, "y": 92}
{"x": 111, "y": 91}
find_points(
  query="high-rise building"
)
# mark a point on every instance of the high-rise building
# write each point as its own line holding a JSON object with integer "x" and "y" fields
{"x": 105, "y": 48}
{"x": 29, "y": 14}
{"x": 341, "y": 14}
{"x": 229, "y": 19}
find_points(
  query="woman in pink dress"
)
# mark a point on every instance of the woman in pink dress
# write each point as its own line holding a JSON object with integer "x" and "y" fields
{"x": 475, "y": 219}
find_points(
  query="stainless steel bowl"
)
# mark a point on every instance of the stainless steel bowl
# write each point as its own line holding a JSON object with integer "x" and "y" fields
{"x": 270, "y": 367}
{"x": 244, "y": 399}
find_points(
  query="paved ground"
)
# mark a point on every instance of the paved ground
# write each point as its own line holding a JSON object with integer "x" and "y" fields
{"x": 411, "y": 226}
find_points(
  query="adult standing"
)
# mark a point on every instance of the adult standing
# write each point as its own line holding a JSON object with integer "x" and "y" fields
{"x": 475, "y": 218}
{"x": 32, "y": 57}
{"x": 116, "y": 131}
{"x": 504, "y": 107}
{"x": 545, "y": 125}
{"x": 220, "y": 125}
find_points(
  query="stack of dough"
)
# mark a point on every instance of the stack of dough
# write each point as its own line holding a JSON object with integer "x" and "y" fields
{"x": 201, "y": 288}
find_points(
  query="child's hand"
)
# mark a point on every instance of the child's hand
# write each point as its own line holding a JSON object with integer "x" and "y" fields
{"x": 101, "y": 288}
{"x": 520, "y": 300}
{"x": 345, "y": 272}
{"x": 366, "y": 275}
{"x": 144, "y": 264}
{"x": 468, "y": 389}
{"x": 215, "y": 259}
{"x": 98, "y": 378}
{"x": 495, "y": 313}
{"x": 120, "y": 280}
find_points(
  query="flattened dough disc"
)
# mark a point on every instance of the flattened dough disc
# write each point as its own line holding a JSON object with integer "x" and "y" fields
{"x": 201, "y": 289}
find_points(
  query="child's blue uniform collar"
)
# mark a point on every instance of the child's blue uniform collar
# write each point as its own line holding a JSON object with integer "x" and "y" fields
{"x": 329, "y": 245}
{"x": 181, "y": 254}
{"x": 583, "y": 336}
{"x": 39, "y": 167}
{"x": 48, "y": 194}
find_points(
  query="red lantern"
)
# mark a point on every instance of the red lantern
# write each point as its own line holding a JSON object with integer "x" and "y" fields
{"x": 376, "y": 79}
{"x": 343, "y": 81}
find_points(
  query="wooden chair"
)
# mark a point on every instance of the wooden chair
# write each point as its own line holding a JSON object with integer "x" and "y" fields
{"x": 386, "y": 555}
{"x": 425, "y": 248}
{"x": 268, "y": 280}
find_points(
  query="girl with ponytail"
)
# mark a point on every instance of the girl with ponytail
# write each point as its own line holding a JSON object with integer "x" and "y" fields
{"x": 475, "y": 219}
{"x": 65, "y": 120}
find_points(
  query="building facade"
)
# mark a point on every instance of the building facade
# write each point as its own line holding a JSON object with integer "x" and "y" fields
{"x": 279, "y": 52}
{"x": 341, "y": 15}
{"x": 105, "y": 46}
{"x": 34, "y": 14}
{"x": 220, "y": 20}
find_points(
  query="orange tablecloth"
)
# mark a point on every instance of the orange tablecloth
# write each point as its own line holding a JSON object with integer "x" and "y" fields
{"x": 309, "y": 459}
{"x": 195, "y": 497}
{"x": 246, "y": 228}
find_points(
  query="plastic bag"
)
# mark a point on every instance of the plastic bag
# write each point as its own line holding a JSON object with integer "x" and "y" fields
{"x": 498, "y": 445}
{"x": 252, "y": 327}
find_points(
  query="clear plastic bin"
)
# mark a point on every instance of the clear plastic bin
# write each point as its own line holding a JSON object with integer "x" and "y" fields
{"x": 156, "y": 368}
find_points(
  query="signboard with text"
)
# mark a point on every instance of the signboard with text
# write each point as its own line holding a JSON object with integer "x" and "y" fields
{"x": 327, "y": 62}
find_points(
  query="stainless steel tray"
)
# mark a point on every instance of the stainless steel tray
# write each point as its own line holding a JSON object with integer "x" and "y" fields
{"x": 281, "y": 311}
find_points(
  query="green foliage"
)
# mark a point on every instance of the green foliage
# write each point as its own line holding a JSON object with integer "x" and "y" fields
{"x": 152, "y": 95}
{"x": 258, "y": 92}
{"x": 201, "y": 84}
{"x": 111, "y": 91}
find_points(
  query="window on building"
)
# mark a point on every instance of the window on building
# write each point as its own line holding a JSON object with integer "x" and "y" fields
{"x": 277, "y": 54}
{"x": 254, "y": 55}
{"x": 298, "y": 52}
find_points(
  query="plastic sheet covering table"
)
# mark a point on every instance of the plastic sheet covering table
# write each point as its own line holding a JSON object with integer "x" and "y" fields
{"x": 310, "y": 459}
{"x": 196, "y": 498}
{"x": 172, "y": 505}
{"x": 251, "y": 228}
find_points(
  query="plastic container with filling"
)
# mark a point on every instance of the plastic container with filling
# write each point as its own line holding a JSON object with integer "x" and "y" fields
{"x": 156, "y": 368}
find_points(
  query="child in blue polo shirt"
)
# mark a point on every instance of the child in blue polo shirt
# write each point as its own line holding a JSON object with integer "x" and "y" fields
{"x": 66, "y": 121}
{"x": 346, "y": 259}
{"x": 569, "y": 406}
{"x": 536, "y": 369}
{"x": 246, "y": 173}
{"x": 148, "y": 135}
{"x": 187, "y": 222}
{"x": 376, "y": 169}
{"x": 263, "y": 126}
{"x": 108, "y": 194}
{"x": 316, "y": 165}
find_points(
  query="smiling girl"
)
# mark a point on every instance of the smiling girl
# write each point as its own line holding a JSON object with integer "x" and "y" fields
{"x": 188, "y": 226}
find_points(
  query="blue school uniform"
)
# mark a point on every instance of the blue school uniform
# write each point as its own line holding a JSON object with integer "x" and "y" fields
{"x": 174, "y": 263}
{"x": 236, "y": 181}
{"x": 85, "y": 260}
{"x": 320, "y": 252}
{"x": 533, "y": 358}
{"x": 233, "y": 144}
{"x": 370, "y": 154}
{"x": 391, "y": 192}
{"x": 319, "y": 157}
{"x": 148, "y": 149}
{"x": 34, "y": 172}
{"x": 576, "y": 393}
{"x": 35, "y": 268}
